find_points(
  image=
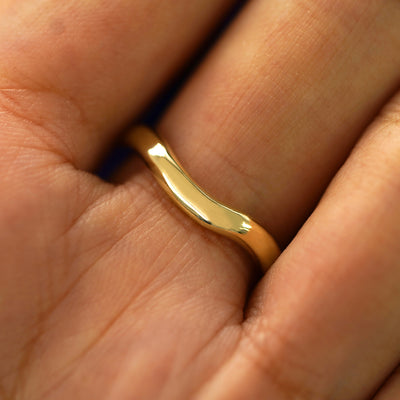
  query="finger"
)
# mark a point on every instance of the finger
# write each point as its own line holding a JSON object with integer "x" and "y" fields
{"x": 391, "y": 389}
{"x": 325, "y": 323}
{"x": 280, "y": 102}
{"x": 204, "y": 117}
{"x": 184, "y": 262}
{"x": 75, "y": 72}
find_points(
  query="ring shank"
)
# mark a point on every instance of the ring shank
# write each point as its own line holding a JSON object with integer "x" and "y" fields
{"x": 198, "y": 204}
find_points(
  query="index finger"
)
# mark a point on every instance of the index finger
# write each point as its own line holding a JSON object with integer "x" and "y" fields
{"x": 72, "y": 73}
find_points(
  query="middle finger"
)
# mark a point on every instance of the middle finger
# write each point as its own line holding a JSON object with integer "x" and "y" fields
{"x": 278, "y": 104}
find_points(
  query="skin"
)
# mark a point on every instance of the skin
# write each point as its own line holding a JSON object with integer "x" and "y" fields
{"x": 107, "y": 291}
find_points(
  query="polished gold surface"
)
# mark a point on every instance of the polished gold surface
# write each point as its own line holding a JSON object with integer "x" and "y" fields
{"x": 198, "y": 204}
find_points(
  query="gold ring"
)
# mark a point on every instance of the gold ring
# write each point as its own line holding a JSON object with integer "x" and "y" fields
{"x": 196, "y": 203}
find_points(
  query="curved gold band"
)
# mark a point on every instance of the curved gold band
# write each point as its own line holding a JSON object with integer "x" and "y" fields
{"x": 196, "y": 203}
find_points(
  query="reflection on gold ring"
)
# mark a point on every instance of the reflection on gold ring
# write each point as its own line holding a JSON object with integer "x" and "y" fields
{"x": 198, "y": 204}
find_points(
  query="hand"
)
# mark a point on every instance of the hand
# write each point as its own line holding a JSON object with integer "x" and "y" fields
{"x": 107, "y": 291}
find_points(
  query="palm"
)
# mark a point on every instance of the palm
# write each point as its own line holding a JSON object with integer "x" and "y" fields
{"x": 108, "y": 291}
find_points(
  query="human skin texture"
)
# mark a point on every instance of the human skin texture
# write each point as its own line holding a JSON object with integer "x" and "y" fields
{"x": 107, "y": 291}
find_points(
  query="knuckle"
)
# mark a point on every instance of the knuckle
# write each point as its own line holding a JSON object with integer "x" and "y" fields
{"x": 283, "y": 363}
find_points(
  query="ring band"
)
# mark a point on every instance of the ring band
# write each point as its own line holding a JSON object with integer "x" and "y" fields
{"x": 198, "y": 204}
